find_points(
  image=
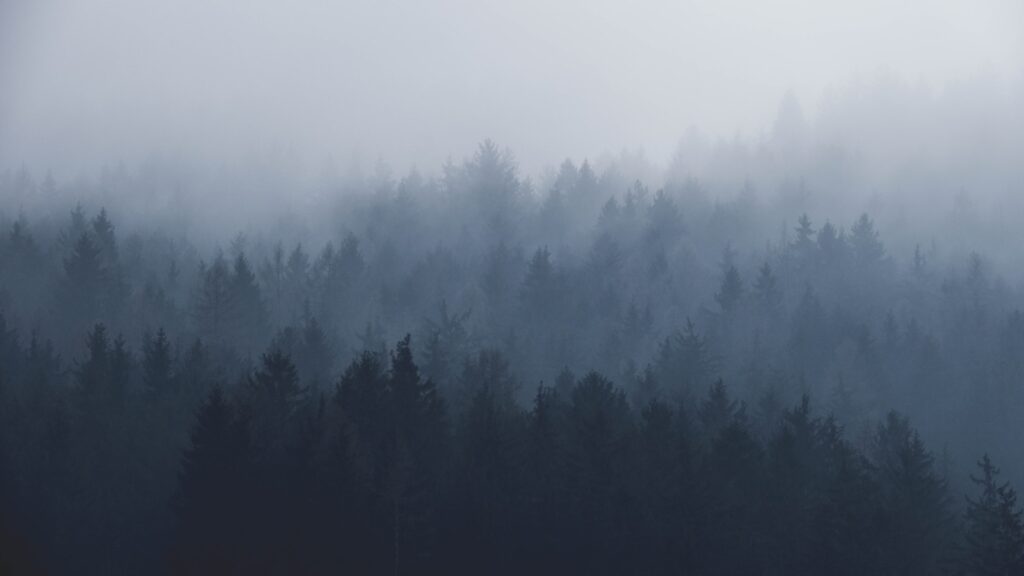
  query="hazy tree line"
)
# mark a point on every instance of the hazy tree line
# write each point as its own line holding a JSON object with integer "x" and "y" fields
{"x": 471, "y": 375}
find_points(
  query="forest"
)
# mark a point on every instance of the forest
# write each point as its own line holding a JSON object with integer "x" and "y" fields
{"x": 481, "y": 373}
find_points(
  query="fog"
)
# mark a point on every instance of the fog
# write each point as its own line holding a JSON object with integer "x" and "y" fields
{"x": 96, "y": 82}
{"x": 545, "y": 288}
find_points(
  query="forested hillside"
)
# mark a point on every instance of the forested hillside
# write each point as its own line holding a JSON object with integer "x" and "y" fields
{"x": 475, "y": 374}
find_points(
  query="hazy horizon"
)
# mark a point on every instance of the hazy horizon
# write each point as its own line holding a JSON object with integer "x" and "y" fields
{"x": 101, "y": 82}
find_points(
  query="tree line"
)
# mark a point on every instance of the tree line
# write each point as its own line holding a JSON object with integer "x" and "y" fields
{"x": 466, "y": 375}
{"x": 149, "y": 464}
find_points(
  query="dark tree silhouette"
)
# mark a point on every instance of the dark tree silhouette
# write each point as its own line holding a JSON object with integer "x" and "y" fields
{"x": 994, "y": 534}
{"x": 214, "y": 504}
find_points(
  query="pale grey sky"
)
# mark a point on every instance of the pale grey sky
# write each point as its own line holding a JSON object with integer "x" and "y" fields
{"x": 83, "y": 82}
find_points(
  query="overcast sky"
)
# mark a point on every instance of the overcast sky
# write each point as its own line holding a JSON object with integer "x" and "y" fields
{"x": 84, "y": 82}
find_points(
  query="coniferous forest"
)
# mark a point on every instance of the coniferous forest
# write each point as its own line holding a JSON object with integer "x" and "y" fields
{"x": 474, "y": 373}
{"x": 543, "y": 287}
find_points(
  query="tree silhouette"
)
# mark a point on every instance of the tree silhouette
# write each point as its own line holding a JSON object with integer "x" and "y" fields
{"x": 213, "y": 503}
{"x": 915, "y": 503}
{"x": 994, "y": 534}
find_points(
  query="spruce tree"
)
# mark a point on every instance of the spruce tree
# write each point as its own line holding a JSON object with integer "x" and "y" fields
{"x": 730, "y": 291}
{"x": 213, "y": 505}
{"x": 157, "y": 363}
{"x": 915, "y": 516}
{"x": 994, "y": 533}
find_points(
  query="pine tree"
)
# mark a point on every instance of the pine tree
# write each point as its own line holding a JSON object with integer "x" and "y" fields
{"x": 794, "y": 487}
{"x": 485, "y": 502}
{"x": 81, "y": 290}
{"x": 664, "y": 221}
{"x": 273, "y": 396}
{"x": 546, "y": 486}
{"x": 272, "y": 273}
{"x": 867, "y": 248}
{"x": 540, "y": 287}
{"x": 731, "y": 540}
{"x": 315, "y": 359}
{"x": 684, "y": 363}
{"x": 114, "y": 289}
{"x": 214, "y": 514}
{"x": 601, "y": 450}
{"x": 297, "y": 293}
{"x": 105, "y": 441}
{"x": 611, "y": 215}
{"x": 448, "y": 343}
{"x": 914, "y": 499}
{"x": 488, "y": 371}
{"x": 77, "y": 226}
{"x": 103, "y": 231}
{"x": 213, "y": 301}
{"x": 122, "y": 370}
{"x": 93, "y": 375}
{"x": 664, "y": 483}
{"x": 731, "y": 290}
{"x": 21, "y": 246}
{"x": 362, "y": 396}
{"x": 831, "y": 244}
{"x": 418, "y": 420}
{"x": 844, "y": 525}
{"x": 994, "y": 532}
{"x": 717, "y": 410}
{"x": 766, "y": 289}
{"x": 803, "y": 246}
{"x": 157, "y": 363}
{"x": 248, "y": 314}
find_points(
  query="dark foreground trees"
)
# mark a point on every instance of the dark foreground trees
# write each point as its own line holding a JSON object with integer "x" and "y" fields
{"x": 381, "y": 475}
{"x": 379, "y": 478}
{"x": 994, "y": 534}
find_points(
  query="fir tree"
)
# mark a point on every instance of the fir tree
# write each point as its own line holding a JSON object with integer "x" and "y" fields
{"x": 867, "y": 248}
{"x": 994, "y": 533}
{"x": 157, "y": 363}
{"x": 213, "y": 507}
